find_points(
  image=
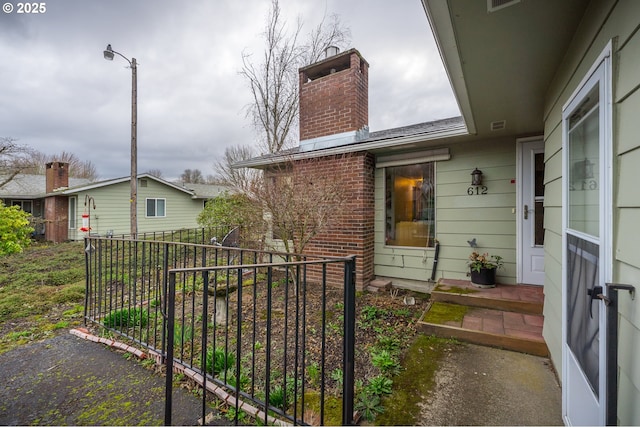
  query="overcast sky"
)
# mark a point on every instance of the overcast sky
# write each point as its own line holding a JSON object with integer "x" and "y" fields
{"x": 57, "y": 93}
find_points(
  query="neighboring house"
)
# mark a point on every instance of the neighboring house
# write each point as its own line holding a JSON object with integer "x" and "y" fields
{"x": 62, "y": 201}
{"x": 30, "y": 192}
{"x": 550, "y": 100}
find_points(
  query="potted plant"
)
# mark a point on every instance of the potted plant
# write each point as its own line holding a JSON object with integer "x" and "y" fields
{"x": 483, "y": 269}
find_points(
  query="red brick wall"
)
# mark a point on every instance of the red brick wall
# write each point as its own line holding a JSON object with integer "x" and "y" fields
{"x": 351, "y": 230}
{"x": 56, "y": 208}
{"x": 57, "y": 176}
{"x": 335, "y": 103}
{"x": 56, "y": 215}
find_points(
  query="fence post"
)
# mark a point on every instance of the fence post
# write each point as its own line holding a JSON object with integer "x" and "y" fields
{"x": 349, "y": 340}
{"x": 171, "y": 297}
{"x": 87, "y": 292}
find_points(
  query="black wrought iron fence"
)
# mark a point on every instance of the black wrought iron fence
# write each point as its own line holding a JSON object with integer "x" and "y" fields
{"x": 198, "y": 235}
{"x": 251, "y": 327}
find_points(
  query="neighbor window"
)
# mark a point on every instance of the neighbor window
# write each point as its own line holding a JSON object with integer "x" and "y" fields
{"x": 156, "y": 207}
{"x": 410, "y": 205}
{"x": 72, "y": 212}
{"x": 25, "y": 205}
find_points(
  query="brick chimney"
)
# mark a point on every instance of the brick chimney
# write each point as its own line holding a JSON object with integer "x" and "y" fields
{"x": 57, "y": 176}
{"x": 56, "y": 207}
{"x": 334, "y": 101}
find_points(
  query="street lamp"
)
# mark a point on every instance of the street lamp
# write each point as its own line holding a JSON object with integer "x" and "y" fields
{"x": 109, "y": 54}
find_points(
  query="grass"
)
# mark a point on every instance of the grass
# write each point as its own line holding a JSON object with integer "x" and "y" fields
{"x": 41, "y": 292}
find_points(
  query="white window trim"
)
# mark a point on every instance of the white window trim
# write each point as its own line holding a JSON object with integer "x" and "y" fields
{"x": 146, "y": 201}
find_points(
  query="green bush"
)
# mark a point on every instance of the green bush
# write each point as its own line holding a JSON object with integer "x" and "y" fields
{"x": 219, "y": 361}
{"x": 15, "y": 232}
{"x": 379, "y": 385}
{"x": 126, "y": 317}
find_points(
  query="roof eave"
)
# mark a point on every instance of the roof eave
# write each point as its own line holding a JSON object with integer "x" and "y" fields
{"x": 441, "y": 23}
{"x": 395, "y": 142}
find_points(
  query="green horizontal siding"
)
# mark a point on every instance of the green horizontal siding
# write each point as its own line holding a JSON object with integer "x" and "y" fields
{"x": 604, "y": 20}
{"x": 112, "y": 210}
{"x": 459, "y": 217}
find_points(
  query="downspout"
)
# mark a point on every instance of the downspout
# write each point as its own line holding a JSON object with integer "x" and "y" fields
{"x": 435, "y": 261}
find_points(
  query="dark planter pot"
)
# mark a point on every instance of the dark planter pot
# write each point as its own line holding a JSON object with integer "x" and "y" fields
{"x": 485, "y": 278}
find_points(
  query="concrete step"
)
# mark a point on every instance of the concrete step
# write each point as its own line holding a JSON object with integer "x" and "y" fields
{"x": 516, "y": 298}
{"x": 379, "y": 285}
{"x": 509, "y": 330}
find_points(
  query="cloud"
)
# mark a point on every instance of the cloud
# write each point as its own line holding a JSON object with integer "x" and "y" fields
{"x": 59, "y": 94}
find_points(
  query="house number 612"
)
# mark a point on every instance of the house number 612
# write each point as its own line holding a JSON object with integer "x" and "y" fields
{"x": 477, "y": 190}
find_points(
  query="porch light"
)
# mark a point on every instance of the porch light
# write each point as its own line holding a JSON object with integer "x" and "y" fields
{"x": 476, "y": 177}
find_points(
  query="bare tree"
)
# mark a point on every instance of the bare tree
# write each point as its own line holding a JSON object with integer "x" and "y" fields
{"x": 274, "y": 81}
{"x": 301, "y": 199}
{"x": 192, "y": 176}
{"x": 77, "y": 168}
{"x": 14, "y": 159}
{"x": 155, "y": 172}
{"x": 240, "y": 179}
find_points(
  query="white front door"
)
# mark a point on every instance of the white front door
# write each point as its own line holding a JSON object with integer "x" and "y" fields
{"x": 532, "y": 212}
{"x": 586, "y": 181}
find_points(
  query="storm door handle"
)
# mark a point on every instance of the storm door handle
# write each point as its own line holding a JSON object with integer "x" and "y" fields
{"x": 595, "y": 293}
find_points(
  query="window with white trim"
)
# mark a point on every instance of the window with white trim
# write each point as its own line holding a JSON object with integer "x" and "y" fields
{"x": 73, "y": 202}
{"x": 410, "y": 212}
{"x": 156, "y": 208}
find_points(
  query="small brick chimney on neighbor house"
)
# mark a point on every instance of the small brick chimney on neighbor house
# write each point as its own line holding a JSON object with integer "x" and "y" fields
{"x": 56, "y": 207}
{"x": 334, "y": 111}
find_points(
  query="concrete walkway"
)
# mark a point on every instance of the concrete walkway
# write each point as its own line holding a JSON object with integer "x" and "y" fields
{"x": 478, "y": 385}
{"x": 70, "y": 381}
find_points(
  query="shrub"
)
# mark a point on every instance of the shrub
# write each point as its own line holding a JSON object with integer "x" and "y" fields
{"x": 15, "y": 232}
{"x": 219, "y": 361}
{"x": 126, "y": 317}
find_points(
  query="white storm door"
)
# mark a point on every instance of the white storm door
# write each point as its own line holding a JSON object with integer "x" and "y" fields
{"x": 586, "y": 238}
{"x": 532, "y": 212}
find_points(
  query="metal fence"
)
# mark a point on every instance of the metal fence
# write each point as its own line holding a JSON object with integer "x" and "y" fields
{"x": 198, "y": 235}
{"x": 250, "y": 327}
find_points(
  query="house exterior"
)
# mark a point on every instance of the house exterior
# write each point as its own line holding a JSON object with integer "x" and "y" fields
{"x": 549, "y": 98}
{"x": 30, "y": 192}
{"x": 61, "y": 202}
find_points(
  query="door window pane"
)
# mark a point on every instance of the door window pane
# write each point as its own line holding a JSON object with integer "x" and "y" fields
{"x": 583, "y": 319}
{"x": 584, "y": 158}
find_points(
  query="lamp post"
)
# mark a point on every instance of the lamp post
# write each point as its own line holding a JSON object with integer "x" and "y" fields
{"x": 109, "y": 54}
